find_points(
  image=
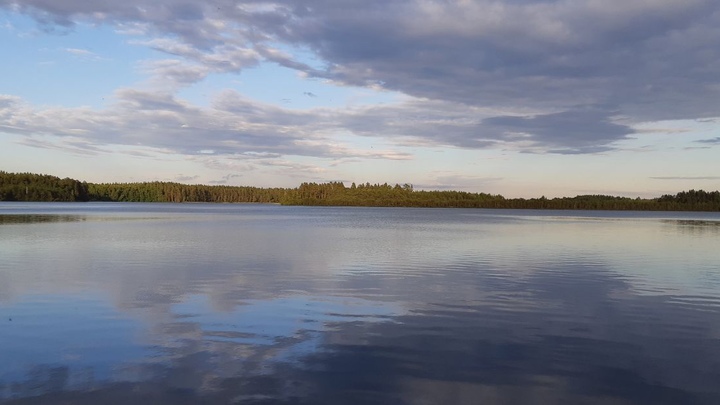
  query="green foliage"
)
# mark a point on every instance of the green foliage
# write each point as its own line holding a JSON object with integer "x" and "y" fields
{"x": 176, "y": 192}
{"x": 383, "y": 195}
{"x": 35, "y": 187}
{"x": 693, "y": 200}
{"x": 38, "y": 187}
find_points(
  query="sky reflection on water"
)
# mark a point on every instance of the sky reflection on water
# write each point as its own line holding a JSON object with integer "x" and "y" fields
{"x": 269, "y": 304}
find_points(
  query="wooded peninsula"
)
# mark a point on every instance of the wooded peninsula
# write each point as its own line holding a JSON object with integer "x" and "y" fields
{"x": 38, "y": 187}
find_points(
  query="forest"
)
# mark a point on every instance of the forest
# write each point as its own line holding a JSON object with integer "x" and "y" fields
{"x": 39, "y": 187}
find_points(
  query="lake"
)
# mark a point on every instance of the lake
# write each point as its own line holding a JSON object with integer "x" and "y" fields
{"x": 105, "y": 303}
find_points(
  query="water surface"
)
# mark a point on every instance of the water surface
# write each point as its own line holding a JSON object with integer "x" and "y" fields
{"x": 200, "y": 303}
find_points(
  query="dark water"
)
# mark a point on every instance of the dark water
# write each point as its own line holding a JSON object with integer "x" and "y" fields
{"x": 253, "y": 304}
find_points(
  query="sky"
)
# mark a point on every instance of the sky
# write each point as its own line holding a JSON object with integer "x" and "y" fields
{"x": 514, "y": 97}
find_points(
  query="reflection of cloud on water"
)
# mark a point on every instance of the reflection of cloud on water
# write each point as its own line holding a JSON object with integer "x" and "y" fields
{"x": 197, "y": 351}
{"x": 148, "y": 266}
{"x": 601, "y": 345}
{"x": 579, "y": 336}
{"x": 81, "y": 339}
{"x": 6, "y": 288}
{"x": 265, "y": 320}
{"x": 314, "y": 310}
{"x": 287, "y": 327}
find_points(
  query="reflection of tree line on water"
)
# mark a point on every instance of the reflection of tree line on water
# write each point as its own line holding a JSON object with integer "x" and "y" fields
{"x": 34, "y": 218}
{"x": 34, "y": 187}
{"x": 692, "y": 226}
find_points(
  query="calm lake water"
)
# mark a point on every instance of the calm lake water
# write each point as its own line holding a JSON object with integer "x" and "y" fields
{"x": 260, "y": 304}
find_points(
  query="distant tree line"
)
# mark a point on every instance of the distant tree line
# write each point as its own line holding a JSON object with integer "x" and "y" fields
{"x": 36, "y": 187}
{"x": 176, "y": 192}
{"x": 40, "y": 187}
{"x": 384, "y": 195}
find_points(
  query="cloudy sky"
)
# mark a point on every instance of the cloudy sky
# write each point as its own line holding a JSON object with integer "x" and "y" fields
{"x": 517, "y": 97}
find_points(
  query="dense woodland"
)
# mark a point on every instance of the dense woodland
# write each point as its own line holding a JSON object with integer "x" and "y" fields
{"x": 36, "y": 187}
{"x": 40, "y": 187}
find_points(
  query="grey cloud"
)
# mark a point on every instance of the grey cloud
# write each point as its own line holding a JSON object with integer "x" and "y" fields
{"x": 639, "y": 60}
{"x": 645, "y": 60}
{"x": 225, "y": 179}
{"x": 711, "y": 141}
{"x": 501, "y": 51}
{"x": 226, "y": 57}
{"x": 235, "y": 125}
{"x": 71, "y": 146}
{"x": 174, "y": 73}
{"x": 8, "y": 106}
{"x": 183, "y": 178}
{"x": 579, "y": 131}
{"x": 147, "y": 101}
{"x": 587, "y": 130}
{"x": 283, "y": 59}
{"x": 8, "y": 101}
{"x": 232, "y": 126}
{"x": 435, "y": 122}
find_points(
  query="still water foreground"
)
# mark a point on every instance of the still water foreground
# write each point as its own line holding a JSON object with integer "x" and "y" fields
{"x": 261, "y": 304}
